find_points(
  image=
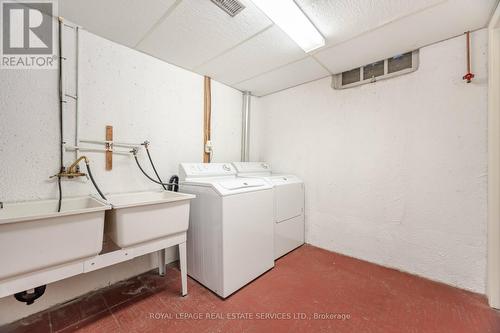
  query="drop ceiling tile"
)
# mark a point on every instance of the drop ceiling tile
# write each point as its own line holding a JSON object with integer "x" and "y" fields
{"x": 197, "y": 31}
{"x": 407, "y": 34}
{"x": 339, "y": 20}
{"x": 291, "y": 75}
{"x": 264, "y": 52}
{"x": 122, "y": 21}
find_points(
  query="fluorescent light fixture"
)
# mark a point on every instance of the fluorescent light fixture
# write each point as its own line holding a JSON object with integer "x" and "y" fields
{"x": 290, "y": 18}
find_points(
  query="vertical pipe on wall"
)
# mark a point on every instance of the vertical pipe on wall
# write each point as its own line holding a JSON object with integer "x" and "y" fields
{"x": 77, "y": 91}
{"x": 62, "y": 87}
{"x": 61, "y": 109}
{"x": 469, "y": 75}
{"x": 245, "y": 130}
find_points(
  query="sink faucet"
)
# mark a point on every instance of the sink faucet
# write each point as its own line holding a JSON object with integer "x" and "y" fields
{"x": 73, "y": 170}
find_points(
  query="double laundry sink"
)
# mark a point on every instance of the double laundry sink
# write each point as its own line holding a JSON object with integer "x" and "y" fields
{"x": 35, "y": 237}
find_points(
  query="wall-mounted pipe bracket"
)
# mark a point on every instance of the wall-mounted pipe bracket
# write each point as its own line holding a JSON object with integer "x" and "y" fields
{"x": 109, "y": 148}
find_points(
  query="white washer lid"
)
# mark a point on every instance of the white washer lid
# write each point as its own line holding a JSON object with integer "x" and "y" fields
{"x": 241, "y": 183}
{"x": 230, "y": 186}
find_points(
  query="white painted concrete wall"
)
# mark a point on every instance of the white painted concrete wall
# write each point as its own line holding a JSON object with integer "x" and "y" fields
{"x": 226, "y": 123}
{"x": 396, "y": 171}
{"x": 143, "y": 98}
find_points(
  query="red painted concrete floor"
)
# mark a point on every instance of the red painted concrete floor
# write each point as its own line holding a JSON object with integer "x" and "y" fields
{"x": 309, "y": 290}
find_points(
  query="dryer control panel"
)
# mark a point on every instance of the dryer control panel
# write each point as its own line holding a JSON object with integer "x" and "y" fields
{"x": 205, "y": 170}
{"x": 252, "y": 168}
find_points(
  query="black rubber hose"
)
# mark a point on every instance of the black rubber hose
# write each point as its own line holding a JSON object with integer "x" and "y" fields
{"x": 60, "y": 193}
{"x": 174, "y": 180}
{"x": 93, "y": 182}
{"x": 61, "y": 101}
{"x": 154, "y": 169}
{"x": 151, "y": 179}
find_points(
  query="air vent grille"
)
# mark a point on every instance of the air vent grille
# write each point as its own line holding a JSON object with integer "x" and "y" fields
{"x": 354, "y": 75}
{"x": 380, "y": 70}
{"x": 231, "y": 7}
{"x": 373, "y": 70}
{"x": 399, "y": 62}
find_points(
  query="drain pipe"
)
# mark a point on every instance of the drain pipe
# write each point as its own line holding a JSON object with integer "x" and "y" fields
{"x": 245, "y": 130}
{"x": 30, "y": 298}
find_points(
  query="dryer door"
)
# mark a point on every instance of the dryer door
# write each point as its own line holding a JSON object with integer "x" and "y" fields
{"x": 289, "y": 200}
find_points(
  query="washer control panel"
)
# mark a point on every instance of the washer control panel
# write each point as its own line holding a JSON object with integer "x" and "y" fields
{"x": 200, "y": 170}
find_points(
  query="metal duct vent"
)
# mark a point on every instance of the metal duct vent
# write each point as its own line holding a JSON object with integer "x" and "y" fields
{"x": 232, "y": 7}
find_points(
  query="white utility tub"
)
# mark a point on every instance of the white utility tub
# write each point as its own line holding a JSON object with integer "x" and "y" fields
{"x": 34, "y": 236}
{"x": 144, "y": 216}
{"x": 153, "y": 220}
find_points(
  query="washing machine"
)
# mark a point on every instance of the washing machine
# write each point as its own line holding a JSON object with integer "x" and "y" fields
{"x": 230, "y": 235}
{"x": 288, "y": 204}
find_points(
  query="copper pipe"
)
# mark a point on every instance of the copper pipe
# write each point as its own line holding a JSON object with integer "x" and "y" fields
{"x": 469, "y": 75}
{"x": 468, "y": 51}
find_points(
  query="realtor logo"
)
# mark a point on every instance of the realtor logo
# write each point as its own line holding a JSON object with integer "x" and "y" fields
{"x": 28, "y": 33}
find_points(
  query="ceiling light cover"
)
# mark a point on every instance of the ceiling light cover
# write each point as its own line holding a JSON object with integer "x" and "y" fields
{"x": 290, "y": 18}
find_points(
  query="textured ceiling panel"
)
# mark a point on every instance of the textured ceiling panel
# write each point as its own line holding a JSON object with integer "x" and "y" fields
{"x": 249, "y": 52}
{"x": 122, "y": 21}
{"x": 266, "y": 51}
{"x": 198, "y": 30}
{"x": 429, "y": 26}
{"x": 339, "y": 20}
{"x": 304, "y": 70}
